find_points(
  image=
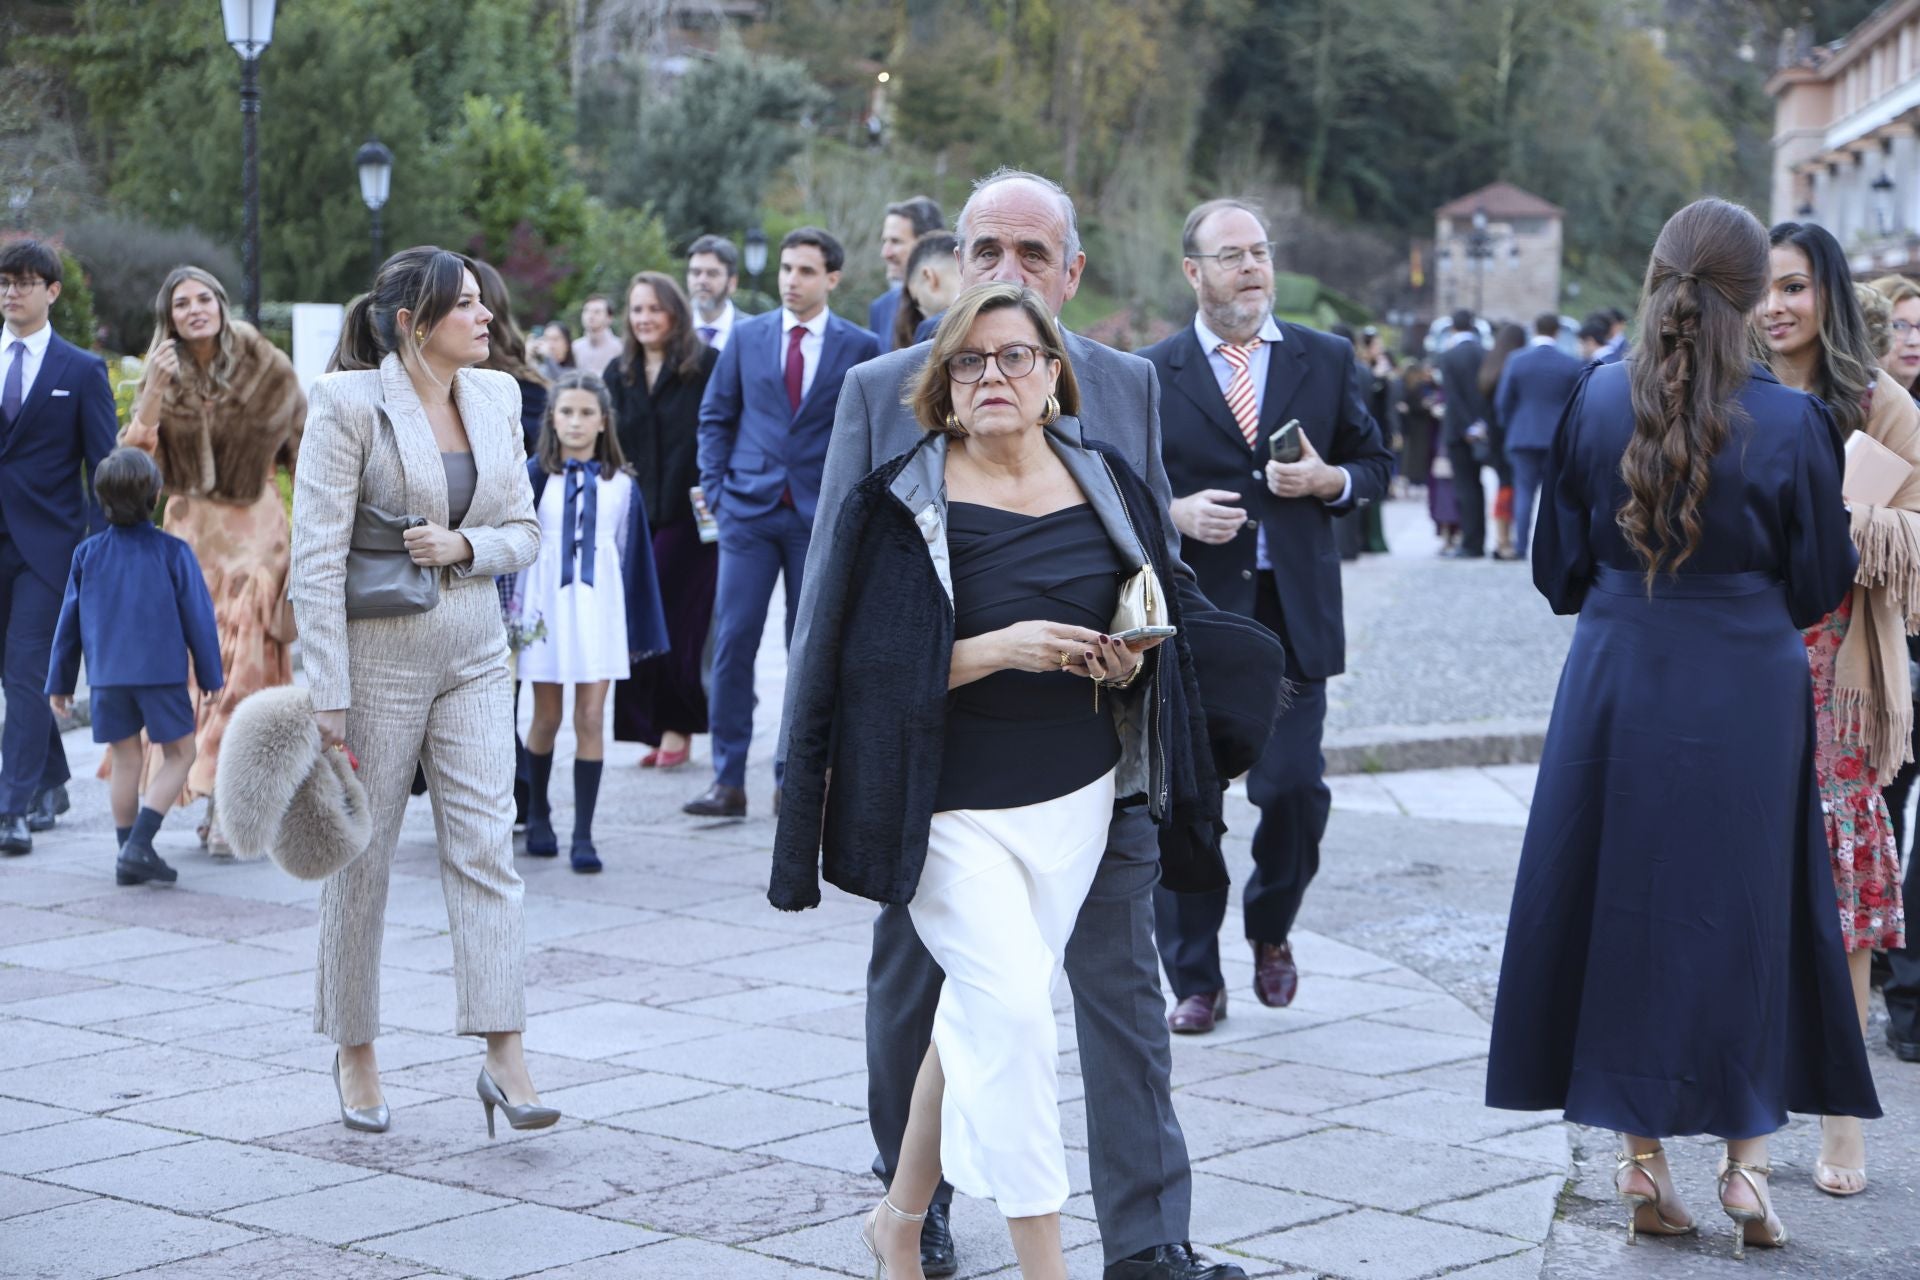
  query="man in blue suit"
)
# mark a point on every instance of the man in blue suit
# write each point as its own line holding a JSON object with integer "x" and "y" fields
{"x": 764, "y": 425}
{"x": 56, "y": 423}
{"x": 1259, "y": 537}
{"x": 1534, "y": 388}
{"x": 904, "y": 224}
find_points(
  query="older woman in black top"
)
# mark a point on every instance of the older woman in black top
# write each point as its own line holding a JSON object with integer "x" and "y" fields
{"x": 978, "y": 723}
{"x": 656, "y": 387}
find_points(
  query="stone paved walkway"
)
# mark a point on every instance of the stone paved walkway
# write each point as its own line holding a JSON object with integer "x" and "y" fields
{"x": 165, "y": 1109}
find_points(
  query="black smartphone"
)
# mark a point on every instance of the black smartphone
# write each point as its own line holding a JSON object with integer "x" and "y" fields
{"x": 1284, "y": 444}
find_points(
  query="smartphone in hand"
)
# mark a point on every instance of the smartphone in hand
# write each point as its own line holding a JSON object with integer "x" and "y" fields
{"x": 1284, "y": 444}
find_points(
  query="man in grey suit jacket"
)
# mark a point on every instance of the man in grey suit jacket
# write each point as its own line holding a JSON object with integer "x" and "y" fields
{"x": 1020, "y": 227}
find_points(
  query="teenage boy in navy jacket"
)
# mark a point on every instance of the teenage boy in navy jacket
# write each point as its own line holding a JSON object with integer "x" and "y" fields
{"x": 137, "y": 607}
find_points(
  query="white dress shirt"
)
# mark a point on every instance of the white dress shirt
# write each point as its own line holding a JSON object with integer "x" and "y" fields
{"x": 36, "y": 355}
{"x": 722, "y": 327}
{"x": 810, "y": 346}
{"x": 1542, "y": 340}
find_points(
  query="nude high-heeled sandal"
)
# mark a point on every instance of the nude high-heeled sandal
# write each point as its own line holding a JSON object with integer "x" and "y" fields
{"x": 867, "y": 1232}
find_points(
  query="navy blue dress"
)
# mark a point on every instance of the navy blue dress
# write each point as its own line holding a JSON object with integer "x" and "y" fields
{"x": 1673, "y": 961}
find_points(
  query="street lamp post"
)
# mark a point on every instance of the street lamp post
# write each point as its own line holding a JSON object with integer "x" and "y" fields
{"x": 1480, "y": 249}
{"x": 375, "y": 164}
{"x": 1883, "y": 202}
{"x": 249, "y": 25}
{"x": 755, "y": 255}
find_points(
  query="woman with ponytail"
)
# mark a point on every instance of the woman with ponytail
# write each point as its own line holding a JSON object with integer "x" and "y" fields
{"x": 1673, "y": 961}
{"x": 409, "y": 427}
{"x": 1821, "y": 341}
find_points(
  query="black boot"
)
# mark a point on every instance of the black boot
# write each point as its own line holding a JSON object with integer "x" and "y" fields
{"x": 586, "y": 794}
{"x": 138, "y": 862}
{"x": 541, "y": 842}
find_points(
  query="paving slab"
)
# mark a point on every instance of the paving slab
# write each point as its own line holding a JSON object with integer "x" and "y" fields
{"x": 102, "y": 1237}
{"x": 1371, "y": 1245}
{"x": 204, "y": 1176}
{"x": 510, "y": 1242}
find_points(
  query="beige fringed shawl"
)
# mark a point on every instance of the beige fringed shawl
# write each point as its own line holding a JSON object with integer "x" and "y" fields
{"x": 1873, "y": 695}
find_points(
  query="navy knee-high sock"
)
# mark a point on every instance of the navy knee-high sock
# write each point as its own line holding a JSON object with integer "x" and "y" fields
{"x": 541, "y": 768}
{"x": 586, "y": 794}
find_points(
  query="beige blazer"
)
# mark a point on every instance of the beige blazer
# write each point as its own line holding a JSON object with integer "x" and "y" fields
{"x": 352, "y": 454}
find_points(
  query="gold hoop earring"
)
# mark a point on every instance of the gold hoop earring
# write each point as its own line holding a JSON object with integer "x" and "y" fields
{"x": 1050, "y": 412}
{"x": 952, "y": 424}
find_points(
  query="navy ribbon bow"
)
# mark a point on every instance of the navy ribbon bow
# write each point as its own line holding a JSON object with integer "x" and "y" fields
{"x": 582, "y": 478}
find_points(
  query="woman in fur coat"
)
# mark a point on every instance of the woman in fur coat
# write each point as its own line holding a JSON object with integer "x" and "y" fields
{"x": 221, "y": 410}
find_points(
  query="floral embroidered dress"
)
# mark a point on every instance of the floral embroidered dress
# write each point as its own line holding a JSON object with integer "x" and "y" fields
{"x": 1866, "y": 860}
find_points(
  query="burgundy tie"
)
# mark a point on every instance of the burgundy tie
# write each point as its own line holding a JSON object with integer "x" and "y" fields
{"x": 795, "y": 366}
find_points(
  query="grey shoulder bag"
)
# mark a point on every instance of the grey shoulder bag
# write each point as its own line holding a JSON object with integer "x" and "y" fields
{"x": 382, "y": 579}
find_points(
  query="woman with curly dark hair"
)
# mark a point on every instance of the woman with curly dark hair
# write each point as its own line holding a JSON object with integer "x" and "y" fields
{"x": 1673, "y": 961}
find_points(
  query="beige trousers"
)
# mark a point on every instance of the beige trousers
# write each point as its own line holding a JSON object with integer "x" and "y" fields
{"x": 432, "y": 688}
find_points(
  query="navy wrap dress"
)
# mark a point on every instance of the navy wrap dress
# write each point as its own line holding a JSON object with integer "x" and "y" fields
{"x": 1673, "y": 960}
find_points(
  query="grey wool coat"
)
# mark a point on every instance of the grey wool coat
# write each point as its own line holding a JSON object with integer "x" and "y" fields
{"x": 399, "y": 470}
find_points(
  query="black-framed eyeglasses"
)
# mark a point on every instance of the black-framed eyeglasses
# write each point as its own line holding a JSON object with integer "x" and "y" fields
{"x": 1016, "y": 360}
{"x": 1232, "y": 258}
{"x": 20, "y": 284}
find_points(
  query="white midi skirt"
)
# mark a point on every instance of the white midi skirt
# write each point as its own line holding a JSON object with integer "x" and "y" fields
{"x": 995, "y": 906}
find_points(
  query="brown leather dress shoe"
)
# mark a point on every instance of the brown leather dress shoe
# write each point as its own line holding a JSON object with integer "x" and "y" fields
{"x": 1275, "y": 979}
{"x": 720, "y": 801}
{"x": 1195, "y": 1015}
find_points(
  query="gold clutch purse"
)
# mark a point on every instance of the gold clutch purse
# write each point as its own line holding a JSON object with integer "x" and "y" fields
{"x": 1142, "y": 609}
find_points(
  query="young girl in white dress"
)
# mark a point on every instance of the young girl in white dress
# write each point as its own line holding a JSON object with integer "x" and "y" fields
{"x": 590, "y": 604}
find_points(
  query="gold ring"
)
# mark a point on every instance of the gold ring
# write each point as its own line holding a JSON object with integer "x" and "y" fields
{"x": 1064, "y": 659}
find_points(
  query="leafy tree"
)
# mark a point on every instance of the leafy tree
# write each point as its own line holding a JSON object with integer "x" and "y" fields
{"x": 507, "y": 170}
{"x": 703, "y": 156}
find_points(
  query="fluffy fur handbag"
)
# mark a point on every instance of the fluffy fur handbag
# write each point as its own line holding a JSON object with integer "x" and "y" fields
{"x": 280, "y": 794}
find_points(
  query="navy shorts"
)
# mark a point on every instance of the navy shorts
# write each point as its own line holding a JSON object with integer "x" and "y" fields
{"x": 165, "y": 711}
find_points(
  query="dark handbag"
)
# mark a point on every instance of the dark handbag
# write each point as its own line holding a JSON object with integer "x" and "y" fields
{"x": 382, "y": 579}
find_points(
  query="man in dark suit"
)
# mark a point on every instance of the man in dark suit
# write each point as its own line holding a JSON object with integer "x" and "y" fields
{"x": 1612, "y": 322}
{"x": 1534, "y": 389}
{"x": 713, "y": 276}
{"x": 57, "y": 422}
{"x": 905, "y": 223}
{"x": 1259, "y": 537}
{"x": 764, "y": 425}
{"x": 1467, "y": 431}
{"x": 1020, "y": 227}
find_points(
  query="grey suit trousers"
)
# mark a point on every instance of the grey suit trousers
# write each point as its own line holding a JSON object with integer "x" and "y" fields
{"x": 432, "y": 688}
{"x": 1142, "y": 1184}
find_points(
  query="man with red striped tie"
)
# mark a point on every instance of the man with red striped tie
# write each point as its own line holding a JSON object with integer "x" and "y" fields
{"x": 1258, "y": 534}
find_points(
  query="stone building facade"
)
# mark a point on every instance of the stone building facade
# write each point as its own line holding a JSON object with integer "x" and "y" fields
{"x": 1497, "y": 253}
{"x": 1846, "y": 141}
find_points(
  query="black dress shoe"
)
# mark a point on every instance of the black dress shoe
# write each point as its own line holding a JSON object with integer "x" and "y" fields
{"x": 15, "y": 838}
{"x": 47, "y": 808}
{"x": 1905, "y": 1050}
{"x": 1171, "y": 1262}
{"x": 936, "y": 1242}
{"x": 139, "y": 864}
{"x": 720, "y": 801}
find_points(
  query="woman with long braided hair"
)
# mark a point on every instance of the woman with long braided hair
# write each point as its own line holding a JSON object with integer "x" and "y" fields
{"x": 1673, "y": 961}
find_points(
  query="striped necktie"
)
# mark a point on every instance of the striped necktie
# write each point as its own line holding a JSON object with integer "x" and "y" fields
{"x": 1240, "y": 397}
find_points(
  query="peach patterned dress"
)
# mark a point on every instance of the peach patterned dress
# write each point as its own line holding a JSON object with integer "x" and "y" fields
{"x": 219, "y": 455}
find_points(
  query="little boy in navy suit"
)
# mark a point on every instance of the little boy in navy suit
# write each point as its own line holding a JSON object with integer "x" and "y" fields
{"x": 137, "y": 607}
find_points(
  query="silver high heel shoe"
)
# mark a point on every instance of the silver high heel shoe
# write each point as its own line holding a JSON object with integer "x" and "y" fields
{"x": 867, "y": 1235}
{"x": 365, "y": 1119}
{"x": 530, "y": 1116}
